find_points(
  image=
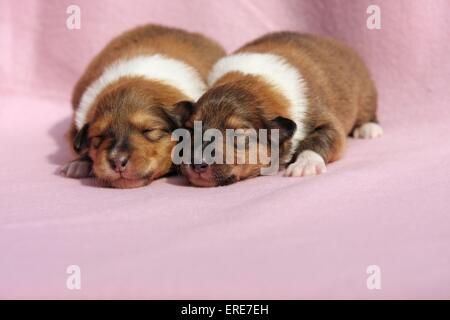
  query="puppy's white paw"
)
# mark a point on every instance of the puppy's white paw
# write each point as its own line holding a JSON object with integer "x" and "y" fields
{"x": 308, "y": 163}
{"x": 369, "y": 130}
{"x": 77, "y": 169}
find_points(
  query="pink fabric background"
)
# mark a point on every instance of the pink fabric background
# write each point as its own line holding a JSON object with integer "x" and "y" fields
{"x": 386, "y": 203}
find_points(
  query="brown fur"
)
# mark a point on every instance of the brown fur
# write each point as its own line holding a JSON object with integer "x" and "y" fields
{"x": 125, "y": 110}
{"x": 192, "y": 48}
{"x": 340, "y": 93}
{"x": 223, "y": 108}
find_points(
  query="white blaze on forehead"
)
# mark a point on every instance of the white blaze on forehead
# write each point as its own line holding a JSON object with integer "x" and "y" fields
{"x": 154, "y": 67}
{"x": 279, "y": 73}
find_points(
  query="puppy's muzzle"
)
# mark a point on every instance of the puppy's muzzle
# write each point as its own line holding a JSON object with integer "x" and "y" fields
{"x": 118, "y": 161}
{"x": 200, "y": 168}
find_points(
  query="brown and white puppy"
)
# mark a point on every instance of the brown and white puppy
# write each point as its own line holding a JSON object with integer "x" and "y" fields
{"x": 315, "y": 90}
{"x": 125, "y": 104}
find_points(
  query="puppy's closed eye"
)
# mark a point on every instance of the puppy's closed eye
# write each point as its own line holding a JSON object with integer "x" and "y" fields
{"x": 154, "y": 134}
{"x": 96, "y": 141}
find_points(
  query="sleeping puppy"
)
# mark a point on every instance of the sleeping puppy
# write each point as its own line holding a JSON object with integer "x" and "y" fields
{"x": 125, "y": 104}
{"x": 314, "y": 90}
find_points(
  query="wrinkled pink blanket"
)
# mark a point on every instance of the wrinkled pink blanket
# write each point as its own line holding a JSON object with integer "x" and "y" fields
{"x": 387, "y": 203}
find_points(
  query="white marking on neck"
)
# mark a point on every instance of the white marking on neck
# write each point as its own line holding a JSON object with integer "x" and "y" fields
{"x": 154, "y": 67}
{"x": 280, "y": 74}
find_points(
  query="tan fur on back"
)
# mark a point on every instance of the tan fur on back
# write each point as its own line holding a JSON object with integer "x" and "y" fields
{"x": 191, "y": 48}
{"x": 337, "y": 80}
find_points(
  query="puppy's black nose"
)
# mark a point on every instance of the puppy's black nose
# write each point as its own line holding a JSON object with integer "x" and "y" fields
{"x": 119, "y": 162}
{"x": 199, "y": 168}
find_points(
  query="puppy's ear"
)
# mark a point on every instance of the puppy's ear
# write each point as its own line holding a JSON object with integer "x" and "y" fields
{"x": 181, "y": 112}
{"x": 81, "y": 139}
{"x": 286, "y": 126}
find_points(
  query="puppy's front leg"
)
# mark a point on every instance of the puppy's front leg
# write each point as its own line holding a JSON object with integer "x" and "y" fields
{"x": 324, "y": 144}
{"x": 78, "y": 169}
